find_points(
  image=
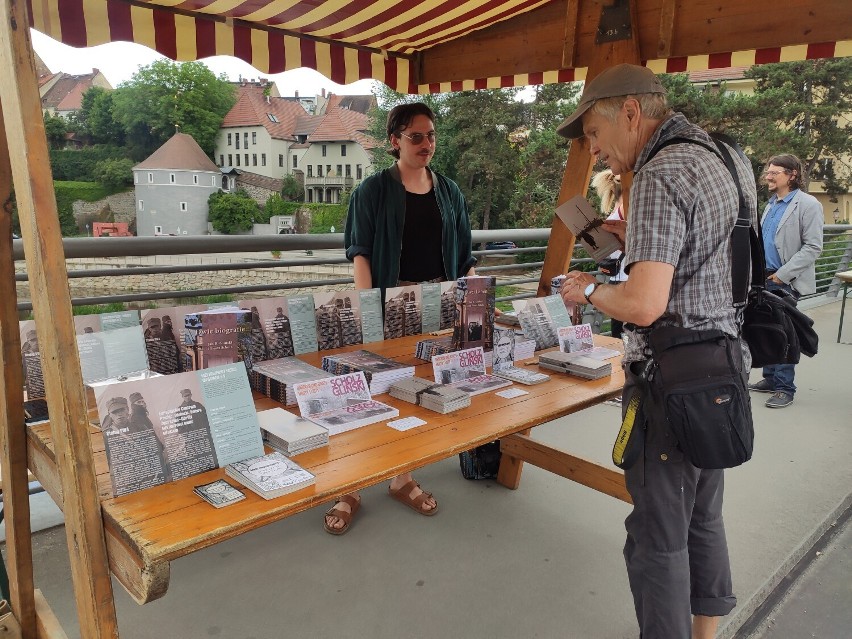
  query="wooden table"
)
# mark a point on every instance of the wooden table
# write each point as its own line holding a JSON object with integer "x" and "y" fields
{"x": 146, "y": 530}
{"x": 846, "y": 278}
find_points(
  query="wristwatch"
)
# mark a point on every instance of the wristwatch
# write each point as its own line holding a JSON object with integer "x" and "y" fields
{"x": 589, "y": 290}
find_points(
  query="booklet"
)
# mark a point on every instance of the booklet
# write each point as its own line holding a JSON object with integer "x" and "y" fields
{"x": 276, "y": 378}
{"x": 474, "y": 317}
{"x": 270, "y": 475}
{"x": 348, "y": 317}
{"x": 112, "y": 354}
{"x": 101, "y": 322}
{"x": 575, "y": 338}
{"x": 217, "y": 337}
{"x": 582, "y": 220}
{"x": 403, "y": 311}
{"x": 271, "y": 334}
{"x": 540, "y": 317}
{"x": 504, "y": 359}
{"x": 219, "y": 493}
{"x": 457, "y": 366}
{"x": 163, "y": 329}
{"x": 165, "y": 428}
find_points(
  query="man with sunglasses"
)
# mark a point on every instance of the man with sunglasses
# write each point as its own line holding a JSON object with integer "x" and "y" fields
{"x": 792, "y": 241}
{"x": 406, "y": 224}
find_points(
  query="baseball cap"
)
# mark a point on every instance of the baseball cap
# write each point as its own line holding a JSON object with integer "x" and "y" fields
{"x": 622, "y": 79}
{"x": 186, "y": 392}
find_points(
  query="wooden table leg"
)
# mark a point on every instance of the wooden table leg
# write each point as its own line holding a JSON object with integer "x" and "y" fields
{"x": 509, "y": 474}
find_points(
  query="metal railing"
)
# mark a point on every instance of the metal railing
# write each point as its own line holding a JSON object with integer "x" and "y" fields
{"x": 170, "y": 255}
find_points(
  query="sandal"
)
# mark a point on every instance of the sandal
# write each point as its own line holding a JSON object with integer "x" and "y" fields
{"x": 402, "y": 495}
{"x": 346, "y": 517}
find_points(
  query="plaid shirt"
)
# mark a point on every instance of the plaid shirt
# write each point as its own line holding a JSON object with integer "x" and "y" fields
{"x": 683, "y": 207}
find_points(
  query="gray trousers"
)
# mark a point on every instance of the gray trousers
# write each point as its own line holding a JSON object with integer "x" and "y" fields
{"x": 676, "y": 551}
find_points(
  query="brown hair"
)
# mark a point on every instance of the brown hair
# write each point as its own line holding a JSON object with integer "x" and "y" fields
{"x": 400, "y": 118}
{"x": 792, "y": 165}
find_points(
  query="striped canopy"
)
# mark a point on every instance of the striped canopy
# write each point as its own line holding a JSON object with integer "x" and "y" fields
{"x": 423, "y": 46}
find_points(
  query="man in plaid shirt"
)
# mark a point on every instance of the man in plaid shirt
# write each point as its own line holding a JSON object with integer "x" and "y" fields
{"x": 683, "y": 207}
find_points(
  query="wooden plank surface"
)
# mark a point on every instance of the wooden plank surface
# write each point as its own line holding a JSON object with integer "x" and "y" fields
{"x": 147, "y": 529}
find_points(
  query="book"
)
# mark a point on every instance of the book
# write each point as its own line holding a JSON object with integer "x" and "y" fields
{"x": 101, "y": 322}
{"x": 575, "y": 364}
{"x": 582, "y": 220}
{"x": 540, "y": 317}
{"x": 457, "y": 366}
{"x": 480, "y": 384}
{"x": 341, "y": 403}
{"x": 290, "y": 434}
{"x": 276, "y": 378}
{"x": 575, "y": 338}
{"x": 114, "y": 354}
{"x": 403, "y": 312}
{"x": 474, "y": 317}
{"x": 271, "y": 333}
{"x": 271, "y": 475}
{"x": 436, "y": 397}
{"x": 379, "y": 371}
{"x": 165, "y": 428}
{"x": 521, "y": 375}
{"x": 219, "y": 493}
{"x": 217, "y": 337}
{"x": 31, "y": 360}
{"x": 163, "y": 330}
{"x": 508, "y": 318}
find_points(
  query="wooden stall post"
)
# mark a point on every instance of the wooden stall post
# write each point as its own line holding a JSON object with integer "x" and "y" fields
{"x": 30, "y": 164}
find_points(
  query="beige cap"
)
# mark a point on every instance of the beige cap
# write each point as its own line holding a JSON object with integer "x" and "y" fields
{"x": 622, "y": 79}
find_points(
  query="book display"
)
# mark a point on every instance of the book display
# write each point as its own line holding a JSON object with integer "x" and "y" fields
{"x": 276, "y": 378}
{"x": 540, "y": 317}
{"x": 379, "y": 371}
{"x": 576, "y": 364}
{"x": 271, "y": 336}
{"x": 435, "y": 397}
{"x": 579, "y": 216}
{"x": 99, "y": 323}
{"x": 217, "y": 337}
{"x": 348, "y": 317}
{"x": 341, "y": 403}
{"x": 474, "y": 318}
{"x": 163, "y": 329}
{"x": 504, "y": 359}
{"x": 166, "y": 428}
{"x": 290, "y": 434}
{"x": 219, "y": 493}
{"x": 271, "y": 475}
{"x": 403, "y": 314}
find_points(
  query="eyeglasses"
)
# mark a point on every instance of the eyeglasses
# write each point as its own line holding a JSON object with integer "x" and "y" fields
{"x": 417, "y": 138}
{"x": 774, "y": 173}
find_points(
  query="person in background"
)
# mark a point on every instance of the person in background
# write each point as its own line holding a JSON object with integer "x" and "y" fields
{"x": 684, "y": 205}
{"x": 406, "y": 224}
{"x": 608, "y": 187}
{"x": 792, "y": 226}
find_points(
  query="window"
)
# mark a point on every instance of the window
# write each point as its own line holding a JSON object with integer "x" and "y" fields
{"x": 150, "y": 178}
{"x": 343, "y": 150}
{"x": 141, "y": 205}
{"x": 247, "y": 159}
{"x": 229, "y": 139}
{"x": 225, "y": 186}
{"x": 324, "y": 150}
{"x": 245, "y": 140}
{"x": 358, "y": 172}
{"x": 238, "y": 159}
{"x": 183, "y": 207}
{"x": 171, "y": 178}
{"x": 254, "y": 137}
{"x": 319, "y": 195}
{"x": 310, "y": 195}
{"x": 230, "y": 160}
{"x": 271, "y": 117}
{"x": 349, "y": 170}
{"x": 195, "y": 179}
{"x": 281, "y": 159}
{"x": 254, "y": 159}
{"x": 263, "y": 159}
{"x": 158, "y": 230}
{"x": 328, "y": 169}
{"x": 319, "y": 170}
{"x": 295, "y": 161}
{"x": 213, "y": 181}
{"x": 136, "y": 178}
{"x": 339, "y": 170}
{"x": 310, "y": 170}
{"x": 237, "y": 138}
{"x": 221, "y": 160}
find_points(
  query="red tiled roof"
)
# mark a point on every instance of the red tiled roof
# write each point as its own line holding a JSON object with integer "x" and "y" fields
{"x": 181, "y": 152}
{"x": 253, "y": 109}
{"x": 67, "y": 93}
{"x": 341, "y": 125}
{"x": 359, "y": 103}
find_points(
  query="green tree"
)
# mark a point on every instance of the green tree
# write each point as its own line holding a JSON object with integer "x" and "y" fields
{"x": 165, "y": 95}
{"x": 291, "y": 190}
{"x": 114, "y": 173}
{"x": 55, "y": 129}
{"x": 232, "y": 212}
{"x": 97, "y": 118}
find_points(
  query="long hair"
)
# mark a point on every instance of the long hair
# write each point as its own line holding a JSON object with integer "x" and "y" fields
{"x": 401, "y": 116}
{"x": 608, "y": 187}
{"x": 792, "y": 165}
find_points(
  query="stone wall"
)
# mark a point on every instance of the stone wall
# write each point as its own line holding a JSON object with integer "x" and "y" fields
{"x": 122, "y": 205}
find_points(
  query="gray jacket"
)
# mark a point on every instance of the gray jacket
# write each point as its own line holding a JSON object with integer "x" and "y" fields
{"x": 799, "y": 242}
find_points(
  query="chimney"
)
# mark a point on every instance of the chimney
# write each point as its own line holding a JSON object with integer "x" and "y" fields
{"x": 297, "y": 94}
{"x": 323, "y": 93}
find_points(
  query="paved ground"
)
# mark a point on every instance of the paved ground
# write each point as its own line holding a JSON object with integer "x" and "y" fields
{"x": 539, "y": 562}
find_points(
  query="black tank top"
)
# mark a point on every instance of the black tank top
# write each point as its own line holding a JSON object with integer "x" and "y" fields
{"x": 422, "y": 256}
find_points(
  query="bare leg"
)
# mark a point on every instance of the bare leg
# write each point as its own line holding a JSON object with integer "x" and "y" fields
{"x": 704, "y": 627}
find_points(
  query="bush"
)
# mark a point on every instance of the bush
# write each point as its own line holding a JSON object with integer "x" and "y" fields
{"x": 79, "y": 165}
{"x": 235, "y": 212}
{"x": 68, "y": 192}
{"x": 114, "y": 173}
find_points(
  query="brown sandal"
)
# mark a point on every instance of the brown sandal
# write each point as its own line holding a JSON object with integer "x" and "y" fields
{"x": 346, "y": 517}
{"x": 402, "y": 496}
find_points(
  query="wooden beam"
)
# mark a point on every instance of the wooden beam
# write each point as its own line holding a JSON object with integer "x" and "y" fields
{"x": 569, "y": 46}
{"x": 48, "y": 280}
{"x": 667, "y": 13}
{"x": 48, "y": 625}
{"x": 13, "y": 436}
{"x": 509, "y": 473}
{"x": 600, "y": 478}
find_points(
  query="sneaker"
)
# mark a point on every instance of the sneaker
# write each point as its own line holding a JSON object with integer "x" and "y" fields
{"x": 779, "y": 399}
{"x": 763, "y": 386}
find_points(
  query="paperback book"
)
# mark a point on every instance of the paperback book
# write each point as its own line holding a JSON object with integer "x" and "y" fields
{"x": 217, "y": 337}
{"x": 219, "y": 493}
{"x": 379, "y": 371}
{"x": 474, "y": 318}
{"x": 504, "y": 359}
{"x": 540, "y": 317}
{"x": 163, "y": 330}
{"x": 575, "y": 364}
{"x": 271, "y": 333}
{"x": 457, "y": 366}
{"x": 271, "y": 475}
{"x": 102, "y": 322}
{"x": 349, "y": 317}
{"x": 290, "y": 434}
{"x": 166, "y": 428}
{"x": 31, "y": 360}
{"x": 575, "y": 338}
{"x": 436, "y": 397}
{"x": 276, "y": 378}
{"x": 113, "y": 354}
{"x": 403, "y": 311}
{"x": 341, "y": 403}
{"x": 582, "y": 220}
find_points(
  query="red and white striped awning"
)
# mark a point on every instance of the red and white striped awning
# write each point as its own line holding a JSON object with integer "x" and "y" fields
{"x": 345, "y": 40}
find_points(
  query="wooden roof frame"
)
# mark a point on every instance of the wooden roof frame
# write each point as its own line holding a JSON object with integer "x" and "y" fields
{"x": 560, "y": 37}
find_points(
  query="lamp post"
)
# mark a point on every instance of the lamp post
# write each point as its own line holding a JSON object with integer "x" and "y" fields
{"x": 836, "y": 215}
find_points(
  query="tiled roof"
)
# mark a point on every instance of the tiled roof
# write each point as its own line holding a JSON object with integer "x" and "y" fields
{"x": 254, "y": 109}
{"x": 261, "y": 181}
{"x": 716, "y": 75}
{"x": 180, "y": 152}
{"x": 341, "y": 125}
{"x": 359, "y": 103}
{"x": 67, "y": 93}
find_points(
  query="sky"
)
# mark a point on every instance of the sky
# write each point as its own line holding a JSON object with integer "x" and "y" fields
{"x": 118, "y": 61}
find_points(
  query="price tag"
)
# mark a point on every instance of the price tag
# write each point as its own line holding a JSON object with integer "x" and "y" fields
{"x": 406, "y": 423}
{"x": 511, "y": 393}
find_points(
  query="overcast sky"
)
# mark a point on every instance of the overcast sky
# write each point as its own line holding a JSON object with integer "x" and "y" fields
{"x": 118, "y": 61}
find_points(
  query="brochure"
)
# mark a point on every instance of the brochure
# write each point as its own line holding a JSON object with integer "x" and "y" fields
{"x": 163, "y": 329}
{"x": 540, "y": 317}
{"x": 474, "y": 317}
{"x": 457, "y": 366}
{"x": 271, "y": 475}
{"x": 582, "y": 220}
{"x": 340, "y": 320}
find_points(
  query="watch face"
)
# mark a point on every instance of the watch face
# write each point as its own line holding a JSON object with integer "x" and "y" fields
{"x": 589, "y": 290}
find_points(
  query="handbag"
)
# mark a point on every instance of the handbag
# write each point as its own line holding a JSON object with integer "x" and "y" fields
{"x": 481, "y": 462}
{"x": 707, "y": 406}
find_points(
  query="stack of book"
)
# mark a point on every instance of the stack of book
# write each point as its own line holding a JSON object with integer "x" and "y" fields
{"x": 480, "y": 384}
{"x": 429, "y": 347}
{"x": 270, "y": 475}
{"x": 290, "y": 434}
{"x": 575, "y": 364}
{"x": 522, "y": 375}
{"x": 436, "y": 397}
{"x": 379, "y": 371}
{"x": 507, "y": 318}
{"x": 275, "y": 378}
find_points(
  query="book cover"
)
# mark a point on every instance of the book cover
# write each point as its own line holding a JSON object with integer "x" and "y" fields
{"x": 101, "y": 322}
{"x": 115, "y": 353}
{"x": 403, "y": 313}
{"x": 458, "y": 365}
{"x": 504, "y": 349}
{"x": 280, "y": 424}
{"x": 219, "y": 493}
{"x": 474, "y": 316}
{"x": 582, "y": 220}
{"x": 354, "y": 415}
{"x": 271, "y": 475}
{"x": 330, "y": 393}
{"x": 448, "y": 304}
{"x": 575, "y": 338}
{"x": 372, "y": 328}
{"x": 300, "y": 309}
{"x": 31, "y": 360}
{"x": 166, "y": 428}
{"x": 540, "y": 317}
{"x": 271, "y": 335}
{"x": 218, "y": 337}
{"x": 163, "y": 330}
{"x": 430, "y": 297}
{"x": 481, "y": 384}
{"x": 338, "y": 319}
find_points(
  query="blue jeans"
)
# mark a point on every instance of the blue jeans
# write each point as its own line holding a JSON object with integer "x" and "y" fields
{"x": 781, "y": 376}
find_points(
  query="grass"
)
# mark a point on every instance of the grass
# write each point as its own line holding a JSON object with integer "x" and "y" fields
{"x": 506, "y": 291}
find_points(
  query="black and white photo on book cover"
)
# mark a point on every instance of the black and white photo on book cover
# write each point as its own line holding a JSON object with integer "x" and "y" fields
{"x": 403, "y": 313}
{"x": 457, "y": 366}
{"x": 271, "y": 335}
{"x": 474, "y": 317}
{"x": 338, "y": 317}
{"x": 163, "y": 329}
{"x": 217, "y": 337}
{"x": 582, "y": 220}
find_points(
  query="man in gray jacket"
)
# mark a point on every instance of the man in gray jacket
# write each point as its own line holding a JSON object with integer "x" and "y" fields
{"x": 792, "y": 241}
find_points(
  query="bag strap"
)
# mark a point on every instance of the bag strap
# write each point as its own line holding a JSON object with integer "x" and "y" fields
{"x": 745, "y": 244}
